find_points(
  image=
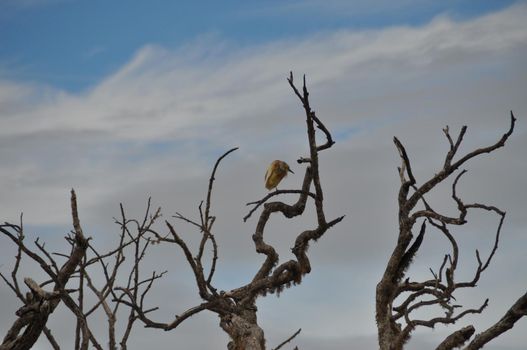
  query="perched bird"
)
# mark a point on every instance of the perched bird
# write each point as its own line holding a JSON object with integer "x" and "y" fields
{"x": 275, "y": 173}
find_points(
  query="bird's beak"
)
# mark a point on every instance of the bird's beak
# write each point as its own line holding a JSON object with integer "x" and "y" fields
{"x": 291, "y": 171}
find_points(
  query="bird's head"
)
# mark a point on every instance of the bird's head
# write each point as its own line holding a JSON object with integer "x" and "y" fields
{"x": 286, "y": 167}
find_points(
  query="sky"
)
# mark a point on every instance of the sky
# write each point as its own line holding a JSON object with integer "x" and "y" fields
{"x": 128, "y": 100}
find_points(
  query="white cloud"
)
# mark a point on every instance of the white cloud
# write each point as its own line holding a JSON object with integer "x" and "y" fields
{"x": 217, "y": 94}
{"x": 159, "y": 94}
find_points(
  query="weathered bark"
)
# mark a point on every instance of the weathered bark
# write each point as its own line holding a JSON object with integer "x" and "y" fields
{"x": 236, "y": 307}
{"x": 387, "y": 329}
{"x": 397, "y": 297}
{"x": 35, "y": 321}
{"x": 457, "y": 339}
{"x": 39, "y": 304}
{"x": 516, "y": 312}
{"x": 244, "y": 331}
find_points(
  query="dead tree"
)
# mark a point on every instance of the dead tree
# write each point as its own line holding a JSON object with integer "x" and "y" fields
{"x": 398, "y": 297}
{"x": 83, "y": 297}
{"x": 237, "y": 307}
{"x": 74, "y": 285}
{"x": 39, "y": 303}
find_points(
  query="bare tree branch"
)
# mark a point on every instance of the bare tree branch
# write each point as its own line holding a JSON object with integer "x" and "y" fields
{"x": 398, "y": 298}
{"x": 40, "y": 304}
{"x": 457, "y": 339}
{"x": 288, "y": 339}
{"x": 237, "y": 307}
{"x": 517, "y": 311}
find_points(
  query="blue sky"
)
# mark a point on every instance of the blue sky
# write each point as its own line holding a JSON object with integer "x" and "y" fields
{"x": 125, "y": 100}
{"x": 73, "y": 44}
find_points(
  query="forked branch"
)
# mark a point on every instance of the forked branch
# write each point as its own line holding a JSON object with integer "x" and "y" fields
{"x": 236, "y": 307}
{"x": 397, "y": 297}
{"x": 39, "y": 303}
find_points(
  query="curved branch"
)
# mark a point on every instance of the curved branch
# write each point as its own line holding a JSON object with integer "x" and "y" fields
{"x": 457, "y": 339}
{"x": 516, "y": 312}
{"x": 258, "y": 203}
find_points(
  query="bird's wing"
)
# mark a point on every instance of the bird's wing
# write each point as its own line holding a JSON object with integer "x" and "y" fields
{"x": 269, "y": 171}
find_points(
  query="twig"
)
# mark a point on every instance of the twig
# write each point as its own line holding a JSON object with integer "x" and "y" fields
{"x": 288, "y": 339}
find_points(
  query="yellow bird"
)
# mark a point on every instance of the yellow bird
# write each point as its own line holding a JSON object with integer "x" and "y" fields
{"x": 275, "y": 173}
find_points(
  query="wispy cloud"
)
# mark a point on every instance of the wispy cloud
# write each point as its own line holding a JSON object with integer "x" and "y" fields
{"x": 161, "y": 93}
{"x": 374, "y": 13}
{"x": 240, "y": 95}
{"x": 93, "y": 52}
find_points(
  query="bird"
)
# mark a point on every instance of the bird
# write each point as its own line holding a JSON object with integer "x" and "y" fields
{"x": 275, "y": 173}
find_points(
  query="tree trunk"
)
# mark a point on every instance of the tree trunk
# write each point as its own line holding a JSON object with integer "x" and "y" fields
{"x": 389, "y": 332}
{"x": 244, "y": 331}
{"x": 34, "y": 322}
